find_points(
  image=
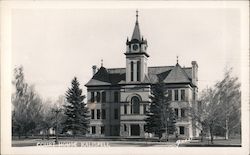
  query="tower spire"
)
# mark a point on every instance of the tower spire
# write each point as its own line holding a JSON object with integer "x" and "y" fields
{"x": 137, "y": 16}
{"x": 177, "y": 59}
{"x": 136, "y": 34}
{"x": 101, "y": 62}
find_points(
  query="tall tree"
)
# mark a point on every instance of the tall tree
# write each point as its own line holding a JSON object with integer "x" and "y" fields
{"x": 160, "y": 116}
{"x": 229, "y": 97}
{"x": 76, "y": 111}
{"x": 27, "y": 106}
{"x": 220, "y": 112}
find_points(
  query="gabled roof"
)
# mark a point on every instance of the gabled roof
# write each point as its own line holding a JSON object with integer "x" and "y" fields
{"x": 116, "y": 76}
{"x": 177, "y": 75}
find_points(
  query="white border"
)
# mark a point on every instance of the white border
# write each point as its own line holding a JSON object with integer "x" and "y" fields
{"x": 7, "y": 7}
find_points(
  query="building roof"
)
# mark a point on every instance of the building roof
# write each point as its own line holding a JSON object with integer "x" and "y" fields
{"x": 117, "y": 76}
{"x": 136, "y": 33}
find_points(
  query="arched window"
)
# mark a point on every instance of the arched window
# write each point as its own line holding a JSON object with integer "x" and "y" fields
{"x": 135, "y": 105}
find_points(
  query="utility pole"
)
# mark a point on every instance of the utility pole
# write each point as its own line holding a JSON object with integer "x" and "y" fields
{"x": 57, "y": 111}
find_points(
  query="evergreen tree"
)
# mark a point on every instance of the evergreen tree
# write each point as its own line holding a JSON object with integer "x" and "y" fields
{"x": 160, "y": 117}
{"x": 76, "y": 111}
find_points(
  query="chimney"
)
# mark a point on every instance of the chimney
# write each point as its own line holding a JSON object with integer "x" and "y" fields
{"x": 94, "y": 69}
{"x": 194, "y": 73}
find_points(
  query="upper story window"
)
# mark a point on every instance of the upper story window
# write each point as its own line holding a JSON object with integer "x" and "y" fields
{"x": 116, "y": 114}
{"x": 176, "y": 111}
{"x": 135, "y": 108}
{"x": 92, "y": 114}
{"x": 183, "y": 95}
{"x": 176, "y": 95}
{"x": 92, "y": 98}
{"x": 125, "y": 109}
{"x": 182, "y": 112}
{"x": 103, "y": 114}
{"x": 132, "y": 70}
{"x": 103, "y": 97}
{"x": 98, "y": 113}
{"x": 144, "y": 108}
{"x": 116, "y": 96}
{"x": 98, "y": 97}
{"x": 169, "y": 95}
{"x": 138, "y": 71}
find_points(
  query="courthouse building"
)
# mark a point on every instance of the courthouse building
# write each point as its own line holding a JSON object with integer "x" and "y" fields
{"x": 119, "y": 97}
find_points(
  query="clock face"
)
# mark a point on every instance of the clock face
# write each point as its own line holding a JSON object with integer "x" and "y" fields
{"x": 135, "y": 47}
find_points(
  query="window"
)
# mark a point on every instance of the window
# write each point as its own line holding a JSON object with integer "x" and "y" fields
{"x": 132, "y": 70}
{"x": 93, "y": 129}
{"x": 98, "y": 113}
{"x": 103, "y": 114}
{"x": 138, "y": 71}
{"x": 98, "y": 97}
{"x": 125, "y": 109}
{"x": 125, "y": 127}
{"x": 103, "y": 97}
{"x": 182, "y": 112}
{"x": 102, "y": 129}
{"x": 92, "y": 114}
{"x": 183, "y": 95}
{"x": 176, "y": 95}
{"x": 193, "y": 95}
{"x": 182, "y": 130}
{"x": 135, "y": 105}
{"x": 116, "y": 96}
{"x": 144, "y": 108}
{"x": 92, "y": 99}
{"x": 176, "y": 112}
{"x": 116, "y": 114}
{"x": 169, "y": 95}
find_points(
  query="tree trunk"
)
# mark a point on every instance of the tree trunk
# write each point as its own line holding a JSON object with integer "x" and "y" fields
{"x": 211, "y": 135}
{"x": 19, "y": 135}
{"x": 227, "y": 129}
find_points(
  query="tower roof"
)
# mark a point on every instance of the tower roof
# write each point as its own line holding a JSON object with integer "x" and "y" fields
{"x": 136, "y": 34}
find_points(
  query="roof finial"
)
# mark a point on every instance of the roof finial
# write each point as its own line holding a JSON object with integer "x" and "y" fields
{"x": 177, "y": 59}
{"x": 137, "y": 15}
{"x": 101, "y": 62}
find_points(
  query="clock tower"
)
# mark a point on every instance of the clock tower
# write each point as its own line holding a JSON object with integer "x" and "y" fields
{"x": 136, "y": 56}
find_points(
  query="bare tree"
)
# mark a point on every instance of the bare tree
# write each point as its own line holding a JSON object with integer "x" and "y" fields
{"x": 27, "y": 106}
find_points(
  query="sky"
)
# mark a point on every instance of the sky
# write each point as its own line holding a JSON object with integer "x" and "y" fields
{"x": 54, "y": 45}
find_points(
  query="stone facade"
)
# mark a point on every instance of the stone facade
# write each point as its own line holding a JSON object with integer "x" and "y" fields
{"x": 119, "y": 97}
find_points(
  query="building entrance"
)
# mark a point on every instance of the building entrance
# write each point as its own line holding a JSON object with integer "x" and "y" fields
{"x": 135, "y": 130}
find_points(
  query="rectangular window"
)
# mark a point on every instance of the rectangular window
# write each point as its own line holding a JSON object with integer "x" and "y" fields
{"x": 116, "y": 114}
{"x": 125, "y": 127}
{"x": 138, "y": 71}
{"x": 183, "y": 95}
{"x": 125, "y": 109}
{"x": 102, "y": 129}
{"x": 169, "y": 95}
{"x": 98, "y": 113}
{"x": 176, "y": 95}
{"x": 144, "y": 108}
{"x": 116, "y": 96}
{"x": 92, "y": 114}
{"x": 132, "y": 70}
{"x": 182, "y": 112}
{"x": 93, "y": 129}
{"x": 176, "y": 111}
{"x": 103, "y": 97}
{"x": 98, "y": 97}
{"x": 92, "y": 99}
{"x": 103, "y": 114}
{"x": 182, "y": 132}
